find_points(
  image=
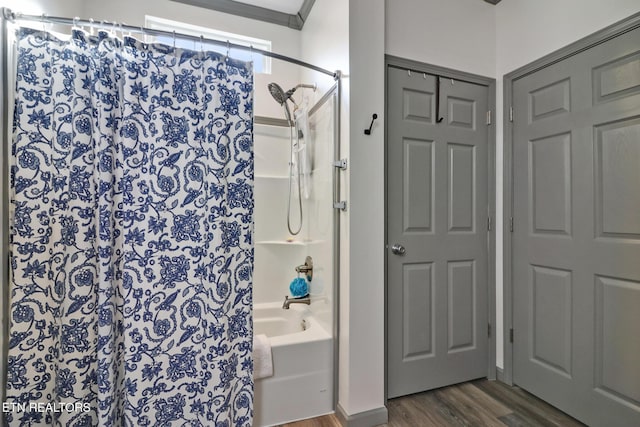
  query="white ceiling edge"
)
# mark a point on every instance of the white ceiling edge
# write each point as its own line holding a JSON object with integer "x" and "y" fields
{"x": 291, "y": 7}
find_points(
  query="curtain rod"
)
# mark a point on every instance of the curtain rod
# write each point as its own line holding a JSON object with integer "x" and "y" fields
{"x": 12, "y": 16}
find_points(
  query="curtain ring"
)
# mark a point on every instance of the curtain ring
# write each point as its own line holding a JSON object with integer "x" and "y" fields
{"x": 75, "y": 22}
{"x": 42, "y": 18}
{"x": 409, "y": 73}
{"x": 201, "y": 44}
{"x": 91, "y": 25}
{"x": 174, "y": 39}
{"x": 424, "y": 76}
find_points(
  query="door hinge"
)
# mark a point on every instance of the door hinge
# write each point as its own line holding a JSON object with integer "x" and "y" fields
{"x": 489, "y": 117}
{"x": 489, "y": 330}
{"x": 510, "y": 114}
{"x": 511, "y": 224}
{"x": 340, "y": 205}
{"x": 489, "y": 223}
{"x": 511, "y": 335}
{"x": 340, "y": 164}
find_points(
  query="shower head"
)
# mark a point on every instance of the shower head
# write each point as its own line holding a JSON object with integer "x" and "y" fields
{"x": 279, "y": 94}
{"x": 281, "y": 98}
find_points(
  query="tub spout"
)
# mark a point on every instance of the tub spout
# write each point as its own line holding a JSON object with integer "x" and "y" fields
{"x": 302, "y": 300}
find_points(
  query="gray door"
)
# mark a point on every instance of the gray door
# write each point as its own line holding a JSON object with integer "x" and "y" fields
{"x": 437, "y": 211}
{"x": 576, "y": 239}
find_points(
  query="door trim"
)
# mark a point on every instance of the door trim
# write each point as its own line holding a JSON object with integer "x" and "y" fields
{"x": 612, "y": 31}
{"x": 490, "y": 83}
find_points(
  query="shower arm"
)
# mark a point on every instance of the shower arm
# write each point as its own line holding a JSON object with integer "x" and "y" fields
{"x": 307, "y": 86}
{"x": 298, "y": 86}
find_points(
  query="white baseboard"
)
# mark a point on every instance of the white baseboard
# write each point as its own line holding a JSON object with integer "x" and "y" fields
{"x": 372, "y": 418}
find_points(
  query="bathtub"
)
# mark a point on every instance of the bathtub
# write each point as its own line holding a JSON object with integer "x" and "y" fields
{"x": 302, "y": 382}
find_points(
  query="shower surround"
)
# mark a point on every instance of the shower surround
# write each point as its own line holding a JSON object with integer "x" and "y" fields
{"x": 302, "y": 337}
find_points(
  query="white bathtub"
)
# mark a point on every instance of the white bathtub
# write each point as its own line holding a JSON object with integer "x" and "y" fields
{"x": 302, "y": 382}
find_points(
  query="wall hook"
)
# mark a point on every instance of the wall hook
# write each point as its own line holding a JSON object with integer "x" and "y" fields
{"x": 373, "y": 119}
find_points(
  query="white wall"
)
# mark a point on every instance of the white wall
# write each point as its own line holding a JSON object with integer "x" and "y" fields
{"x": 525, "y": 31}
{"x": 458, "y": 34}
{"x": 347, "y": 36}
{"x": 324, "y": 43}
{"x": 50, "y": 7}
{"x": 365, "y": 302}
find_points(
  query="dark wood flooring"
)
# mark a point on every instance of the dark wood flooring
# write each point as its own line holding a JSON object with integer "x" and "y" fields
{"x": 477, "y": 403}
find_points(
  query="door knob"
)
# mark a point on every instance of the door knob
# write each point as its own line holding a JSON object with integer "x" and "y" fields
{"x": 398, "y": 249}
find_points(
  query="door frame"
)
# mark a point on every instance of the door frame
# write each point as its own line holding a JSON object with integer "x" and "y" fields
{"x": 612, "y": 31}
{"x": 490, "y": 83}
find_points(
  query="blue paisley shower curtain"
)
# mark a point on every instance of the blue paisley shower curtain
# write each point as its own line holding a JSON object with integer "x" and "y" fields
{"x": 131, "y": 250}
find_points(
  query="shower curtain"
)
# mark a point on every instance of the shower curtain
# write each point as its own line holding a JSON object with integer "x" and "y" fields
{"x": 131, "y": 236}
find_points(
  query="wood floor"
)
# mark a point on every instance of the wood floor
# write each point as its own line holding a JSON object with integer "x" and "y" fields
{"x": 477, "y": 403}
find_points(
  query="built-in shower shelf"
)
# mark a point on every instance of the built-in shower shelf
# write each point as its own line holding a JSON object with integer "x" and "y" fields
{"x": 258, "y": 176}
{"x": 286, "y": 243}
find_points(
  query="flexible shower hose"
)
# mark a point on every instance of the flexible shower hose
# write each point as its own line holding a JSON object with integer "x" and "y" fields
{"x": 292, "y": 127}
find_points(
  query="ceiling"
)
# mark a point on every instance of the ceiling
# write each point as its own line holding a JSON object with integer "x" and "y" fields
{"x": 290, "y": 13}
{"x": 290, "y": 7}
